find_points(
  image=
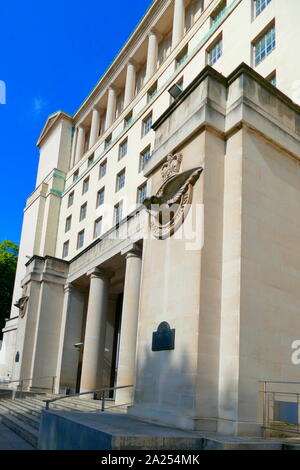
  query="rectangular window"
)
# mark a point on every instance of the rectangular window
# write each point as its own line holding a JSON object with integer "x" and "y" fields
{"x": 264, "y": 45}
{"x": 146, "y": 125}
{"x": 90, "y": 161}
{"x": 152, "y": 92}
{"x": 100, "y": 197}
{"x": 118, "y": 213}
{"x": 80, "y": 239}
{"x": 68, "y": 223}
{"x": 142, "y": 193}
{"x": 123, "y": 149}
{"x": 259, "y": 6}
{"x": 85, "y": 185}
{"x": 71, "y": 199}
{"x": 65, "y": 249}
{"x": 128, "y": 120}
{"x": 102, "y": 169}
{"x": 75, "y": 176}
{"x": 218, "y": 12}
{"x": 98, "y": 227}
{"x": 180, "y": 59}
{"x": 215, "y": 52}
{"x": 176, "y": 90}
{"x": 107, "y": 142}
{"x": 145, "y": 156}
{"x": 120, "y": 182}
{"x": 83, "y": 210}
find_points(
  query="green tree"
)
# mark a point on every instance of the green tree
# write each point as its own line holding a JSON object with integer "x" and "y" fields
{"x": 8, "y": 264}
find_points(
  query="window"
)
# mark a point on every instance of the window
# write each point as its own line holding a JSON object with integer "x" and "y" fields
{"x": 259, "y": 6}
{"x": 65, "y": 249}
{"x": 145, "y": 156}
{"x": 142, "y": 193}
{"x": 176, "y": 90}
{"x": 146, "y": 125}
{"x": 120, "y": 182}
{"x": 107, "y": 142}
{"x": 123, "y": 149}
{"x": 128, "y": 120}
{"x": 71, "y": 199}
{"x": 180, "y": 59}
{"x": 102, "y": 169}
{"x": 152, "y": 92}
{"x": 215, "y": 52}
{"x": 98, "y": 227}
{"x": 218, "y": 13}
{"x": 83, "y": 210}
{"x": 85, "y": 185}
{"x": 90, "y": 161}
{"x": 272, "y": 78}
{"x": 100, "y": 197}
{"x": 118, "y": 213}
{"x": 264, "y": 45}
{"x": 80, "y": 239}
{"x": 75, "y": 176}
{"x": 68, "y": 223}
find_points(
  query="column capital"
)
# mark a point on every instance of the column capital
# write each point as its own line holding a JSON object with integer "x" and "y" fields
{"x": 133, "y": 62}
{"x": 132, "y": 250}
{"x": 100, "y": 273}
{"x": 155, "y": 32}
{"x": 68, "y": 288}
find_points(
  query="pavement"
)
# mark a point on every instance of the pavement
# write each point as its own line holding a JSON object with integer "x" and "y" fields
{"x": 11, "y": 441}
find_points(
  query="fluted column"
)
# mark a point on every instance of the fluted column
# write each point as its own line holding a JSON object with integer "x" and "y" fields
{"x": 94, "y": 127}
{"x": 94, "y": 341}
{"x": 129, "y": 325}
{"x": 178, "y": 22}
{"x": 130, "y": 83}
{"x": 152, "y": 55}
{"x": 111, "y": 107}
{"x": 80, "y": 143}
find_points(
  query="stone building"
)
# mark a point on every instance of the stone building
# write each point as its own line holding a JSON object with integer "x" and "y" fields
{"x": 168, "y": 207}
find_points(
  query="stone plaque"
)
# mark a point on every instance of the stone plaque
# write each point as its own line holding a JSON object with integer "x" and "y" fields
{"x": 164, "y": 338}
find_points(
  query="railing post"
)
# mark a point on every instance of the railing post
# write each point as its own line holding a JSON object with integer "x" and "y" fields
{"x": 103, "y": 400}
{"x": 264, "y": 408}
{"x": 21, "y": 388}
{"x": 297, "y": 413}
{"x": 53, "y": 384}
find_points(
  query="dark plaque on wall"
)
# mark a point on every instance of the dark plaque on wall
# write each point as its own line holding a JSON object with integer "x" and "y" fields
{"x": 164, "y": 338}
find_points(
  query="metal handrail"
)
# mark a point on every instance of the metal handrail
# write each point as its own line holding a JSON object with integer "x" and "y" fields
{"x": 101, "y": 390}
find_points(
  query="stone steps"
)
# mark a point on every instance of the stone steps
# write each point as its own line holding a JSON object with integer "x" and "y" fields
{"x": 27, "y": 432}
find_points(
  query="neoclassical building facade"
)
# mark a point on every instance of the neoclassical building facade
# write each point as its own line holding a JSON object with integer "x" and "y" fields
{"x": 160, "y": 247}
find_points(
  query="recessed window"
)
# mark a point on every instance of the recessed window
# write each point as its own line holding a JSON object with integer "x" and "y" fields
{"x": 146, "y": 124}
{"x": 68, "y": 223}
{"x": 80, "y": 239}
{"x": 272, "y": 78}
{"x": 107, "y": 142}
{"x": 176, "y": 90}
{"x": 128, "y": 120}
{"x": 218, "y": 12}
{"x": 215, "y": 52}
{"x": 145, "y": 156}
{"x": 123, "y": 149}
{"x": 102, "y": 169}
{"x": 85, "y": 185}
{"x": 259, "y": 6}
{"x": 98, "y": 227}
{"x": 142, "y": 193}
{"x": 118, "y": 213}
{"x": 264, "y": 45}
{"x": 83, "y": 211}
{"x": 152, "y": 92}
{"x": 90, "y": 161}
{"x": 65, "y": 252}
{"x": 100, "y": 197}
{"x": 181, "y": 58}
{"x": 71, "y": 199}
{"x": 75, "y": 176}
{"x": 120, "y": 182}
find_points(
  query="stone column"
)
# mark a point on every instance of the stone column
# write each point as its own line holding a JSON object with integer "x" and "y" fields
{"x": 178, "y": 22}
{"x": 129, "y": 326}
{"x": 111, "y": 107}
{"x": 94, "y": 127}
{"x": 152, "y": 55}
{"x": 80, "y": 143}
{"x": 130, "y": 83}
{"x": 94, "y": 341}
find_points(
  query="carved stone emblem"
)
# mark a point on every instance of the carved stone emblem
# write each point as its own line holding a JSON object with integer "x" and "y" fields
{"x": 171, "y": 204}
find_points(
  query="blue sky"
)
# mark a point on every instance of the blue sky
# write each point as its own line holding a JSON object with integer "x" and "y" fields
{"x": 51, "y": 56}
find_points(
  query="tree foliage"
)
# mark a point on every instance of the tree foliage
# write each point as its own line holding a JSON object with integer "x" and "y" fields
{"x": 8, "y": 264}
